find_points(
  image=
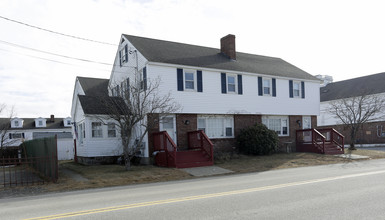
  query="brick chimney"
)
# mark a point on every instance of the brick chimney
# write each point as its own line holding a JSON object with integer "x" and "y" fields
{"x": 228, "y": 46}
{"x": 52, "y": 118}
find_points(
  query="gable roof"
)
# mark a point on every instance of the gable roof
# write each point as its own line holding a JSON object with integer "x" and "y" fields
{"x": 191, "y": 55}
{"x": 96, "y": 96}
{"x": 365, "y": 85}
{"x": 100, "y": 105}
{"x": 94, "y": 86}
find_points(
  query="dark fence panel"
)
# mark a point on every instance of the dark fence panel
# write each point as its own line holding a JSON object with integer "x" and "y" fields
{"x": 46, "y": 150}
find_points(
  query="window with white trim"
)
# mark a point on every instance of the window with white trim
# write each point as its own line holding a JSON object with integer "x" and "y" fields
{"x": 217, "y": 126}
{"x": 297, "y": 89}
{"x": 266, "y": 85}
{"x": 124, "y": 55}
{"x": 231, "y": 83}
{"x": 16, "y": 135}
{"x": 81, "y": 132}
{"x": 16, "y": 123}
{"x": 189, "y": 80}
{"x": 279, "y": 124}
{"x": 111, "y": 129}
{"x": 97, "y": 131}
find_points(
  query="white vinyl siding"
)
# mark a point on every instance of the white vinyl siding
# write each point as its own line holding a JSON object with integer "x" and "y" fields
{"x": 217, "y": 126}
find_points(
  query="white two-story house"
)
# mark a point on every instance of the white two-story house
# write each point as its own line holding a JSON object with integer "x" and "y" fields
{"x": 220, "y": 91}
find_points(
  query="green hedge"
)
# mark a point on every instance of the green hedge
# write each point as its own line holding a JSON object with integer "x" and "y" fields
{"x": 257, "y": 140}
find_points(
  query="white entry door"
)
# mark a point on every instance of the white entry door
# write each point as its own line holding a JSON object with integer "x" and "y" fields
{"x": 168, "y": 123}
{"x": 306, "y": 124}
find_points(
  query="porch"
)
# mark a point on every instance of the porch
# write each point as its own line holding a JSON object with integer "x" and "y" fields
{"x": 322, "y": 141}
{"x": 199, "y": 153}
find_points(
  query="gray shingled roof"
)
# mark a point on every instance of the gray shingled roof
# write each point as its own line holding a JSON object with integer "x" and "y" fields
{"x": 100, "y": 105}
{"x": 94, "y": 86}
{"x": 29, "y": 123}
{"x": 95, "y": 92}
{"x": 191, "y": 55}
{"x": 365, "y": 85}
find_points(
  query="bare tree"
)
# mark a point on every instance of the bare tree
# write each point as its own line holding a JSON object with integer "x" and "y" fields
{"x": 5, "y": 125}
{"x": 130, "y": 108}
{"x": 355, "y": 111}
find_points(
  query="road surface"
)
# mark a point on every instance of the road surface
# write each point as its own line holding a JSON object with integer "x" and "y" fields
{"x": 340, "y": 191}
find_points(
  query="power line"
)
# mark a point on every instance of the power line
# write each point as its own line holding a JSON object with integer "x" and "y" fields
{"x": 55, "y": 54}
{"x": 55, "y": 32}
{"x": 60, "y": 62}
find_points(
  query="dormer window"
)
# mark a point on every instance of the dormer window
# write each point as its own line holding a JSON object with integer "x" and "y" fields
{"x": 16, "y": 123}
{"x": 67, "y": 122}
{"x": 41, "y": 122}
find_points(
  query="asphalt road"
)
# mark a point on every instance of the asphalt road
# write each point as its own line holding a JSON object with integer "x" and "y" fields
{"x": 340, "y": 191}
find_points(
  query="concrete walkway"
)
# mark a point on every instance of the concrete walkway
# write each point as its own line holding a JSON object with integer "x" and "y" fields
{"x": 75, "y": 176}
{"x": 206, "y": 171}
{"x": 352, "y": 156}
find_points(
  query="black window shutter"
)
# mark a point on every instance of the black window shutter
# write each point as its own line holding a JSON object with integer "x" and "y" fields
{"x": 199, "y": 80}
{"x": 10, "y": 136}
{"x": 23, "y": 135}
{"x": 223, "y": 82}
{"x": 291, "y": 88}
{"x": 126, "y": 51}
{"x": 120, "y": 58}
{"x": 240, "y": 89}
{"x": 260, "y": 86}
{"x": 274, "y": 87}
{"x": 179, "y": 73}
{"x": 144, "y": 78}
{"x": 303, "y": 89}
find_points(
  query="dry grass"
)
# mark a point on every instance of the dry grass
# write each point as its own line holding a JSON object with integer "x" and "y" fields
{"x": 115, "y": 175}
{"x": 112, "y": 175}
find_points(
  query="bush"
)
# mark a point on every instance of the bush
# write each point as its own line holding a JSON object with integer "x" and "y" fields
{"x": 257, "y": 140}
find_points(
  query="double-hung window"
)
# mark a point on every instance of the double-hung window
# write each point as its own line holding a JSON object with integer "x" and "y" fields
{"x": 279, "y": 124}
{"x": 217, "y": 126}
{"x": 231, "y": 83}
{"x": 266, "y": 86}
{"x": 111, "y": 129}
{"x": 97, "y": 131}
{"x": 297, "y": 89}
{"x": 189, "y": 80}
{"x": 123, "y": 55}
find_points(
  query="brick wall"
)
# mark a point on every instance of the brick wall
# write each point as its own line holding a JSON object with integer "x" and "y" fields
{"x": 153, "y": 122}
{"x": 182, "y": 128}
{"x": 245, "y": 121}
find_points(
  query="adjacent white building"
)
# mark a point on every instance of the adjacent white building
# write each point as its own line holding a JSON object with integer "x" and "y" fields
{"x": 24, "y": 129}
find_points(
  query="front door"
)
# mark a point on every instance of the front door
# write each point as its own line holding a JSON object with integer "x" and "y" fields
{"x": 306, "y": 124}
{"x": 167, "y": 123}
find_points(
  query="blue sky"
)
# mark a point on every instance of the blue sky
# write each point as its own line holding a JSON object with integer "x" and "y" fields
{"x": 343, "y": 39}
